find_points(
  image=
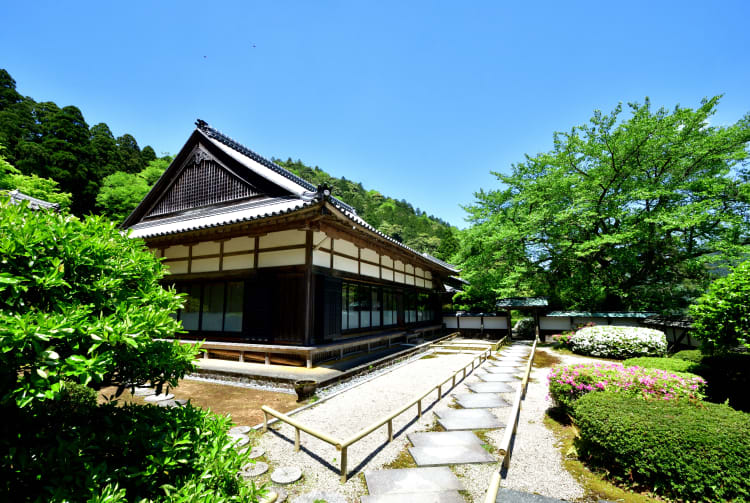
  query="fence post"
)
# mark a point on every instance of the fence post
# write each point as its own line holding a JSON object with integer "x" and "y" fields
{"x": 419, "y": 408}
{"x": 343, "y": 463}
{"x": 390, "y": 430}
{"x": 296, "y": 439}
{"x": 265, "y": 421}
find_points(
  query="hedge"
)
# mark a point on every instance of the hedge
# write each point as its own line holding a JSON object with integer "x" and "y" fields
{"x": 618, "y": 342}
{"x": 669, "y": 364}
{"x": 682, "y": 450}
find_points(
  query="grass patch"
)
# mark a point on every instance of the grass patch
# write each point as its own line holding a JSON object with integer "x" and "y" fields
{"x": 428, "y": 357}
{"x": 403, "y": 460}
{"x": 595, "y": 486}
{"x": 566, "y": 351}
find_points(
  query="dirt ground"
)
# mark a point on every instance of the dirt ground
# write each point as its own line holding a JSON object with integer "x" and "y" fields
{"x": 243, "y": 404}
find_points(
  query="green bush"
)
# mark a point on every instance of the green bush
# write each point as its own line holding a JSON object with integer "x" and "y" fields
{"x": 140, "y": 451}
{"x": 721, "y": 317}
{"x": 681, "y": 450}
{"x": 691, "y": 355}
{"x": 669, "y": 364}
{"x": 80, "y": 302}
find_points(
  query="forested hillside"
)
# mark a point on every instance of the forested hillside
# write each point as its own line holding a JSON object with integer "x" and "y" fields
{"x": 51, "y": 152}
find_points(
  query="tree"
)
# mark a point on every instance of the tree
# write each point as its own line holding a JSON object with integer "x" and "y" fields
{"x": 623, "y": 213}
{"x": 721, "y": 317}
{"x": 34, "y": 186}
{"x": 121, "y": 192}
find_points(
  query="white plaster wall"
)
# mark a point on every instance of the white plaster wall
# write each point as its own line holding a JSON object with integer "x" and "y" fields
{"x": 427, "y": 284}
{"x": 419, "y": 282}
{"x": 345, "y": 247}
{"x": 238, "y": 262}
{"x": 179, "y": 267}
{"x": 409, "y": 279}
{"x": 370, "y": 270}
{"x": 387, "y": 274}
{"x": 205, "y": 265}
{"x": 470, "y": 322}
{"x": 282, "y": 238}
{"x": 495, "y": 323}
{"x": 554, "y": 323}
{"x": 281, "y": 258}
{"x": 321, "y": 258}
{"x": 428, "y": 274}
{"x": 368, "y": 254}
{"x": 345, "y": 264}
{"x": 409, "y": 269}
{"x": 241, "y": 243}
{"x": 177, "y": 251}
{"x": 450, "y": 321}
{"x": 206, "y": 248}
{"x": 398, "y": 265}
{"x": 398, "y": 277}
{"x": 387, "y": 261}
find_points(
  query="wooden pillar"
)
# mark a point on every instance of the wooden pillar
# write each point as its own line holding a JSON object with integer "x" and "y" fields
{"x": 536, "y": 322}
{"x": 510, "y": 328}
{"x": 308, "y": 289}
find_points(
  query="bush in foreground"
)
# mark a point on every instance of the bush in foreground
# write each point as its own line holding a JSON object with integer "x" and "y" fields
{"x": 682, "y": 450}
{"x": 618, "y": 342}
{"x": 568, "y": 383}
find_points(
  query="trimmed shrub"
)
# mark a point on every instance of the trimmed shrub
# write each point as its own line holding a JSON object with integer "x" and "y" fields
{"x": 691, "y": 355}
{"x": 670, "y": 364}
{"x": 679, "y": 449}
{"x": 568, "y": 383}
{"x": 618, "y": 342}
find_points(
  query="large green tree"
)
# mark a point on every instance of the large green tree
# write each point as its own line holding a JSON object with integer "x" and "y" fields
{"x": 121, "y": 192}
{"x": 623, "y": 213}
{"x": 31, "y": 185}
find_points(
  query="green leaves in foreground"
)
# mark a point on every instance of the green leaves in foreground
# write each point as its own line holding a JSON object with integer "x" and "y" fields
{"x": 80, "y": 301}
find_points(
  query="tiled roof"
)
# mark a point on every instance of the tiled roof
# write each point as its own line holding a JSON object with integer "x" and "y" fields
{"x": 205, "y": 218}
{"x": 35, "y": 204}
{"x": 514, "y": 302}
{"x": 669, "y": 321}
{"x": 602, "y": 314}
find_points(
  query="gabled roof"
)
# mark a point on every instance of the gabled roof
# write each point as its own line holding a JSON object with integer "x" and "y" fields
{"x": 291, "y": 194}
{"x": 17, "y": 197}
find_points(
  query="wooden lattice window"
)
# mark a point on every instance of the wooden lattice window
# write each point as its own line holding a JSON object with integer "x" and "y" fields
{"x": 202, "y": 183}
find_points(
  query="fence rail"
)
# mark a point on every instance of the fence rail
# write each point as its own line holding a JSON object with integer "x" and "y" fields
{"x": 343, "y": 445}
{"x": 504, "y": 449}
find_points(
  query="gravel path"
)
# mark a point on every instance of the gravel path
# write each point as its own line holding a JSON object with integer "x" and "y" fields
{"x": 349, "y": 412}
{"x": 536, "y": 464}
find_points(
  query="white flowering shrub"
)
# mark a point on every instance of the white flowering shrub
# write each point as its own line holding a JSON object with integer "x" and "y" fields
{"x": 618, "y": 342}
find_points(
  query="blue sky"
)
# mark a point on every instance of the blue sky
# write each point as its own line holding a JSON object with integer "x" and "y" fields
{"x": 418, "y": 100}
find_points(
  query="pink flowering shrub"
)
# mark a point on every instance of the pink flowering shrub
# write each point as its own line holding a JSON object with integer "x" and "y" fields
{"x": 568, "y": 383}
{"x": 562, "y": 339}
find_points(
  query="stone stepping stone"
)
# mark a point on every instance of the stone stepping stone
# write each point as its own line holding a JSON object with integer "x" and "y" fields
{"x": 425, "y": 497}
{"x": 281, "y": 494}
{"x": 314, "y": 496}
{"x": 498, "y": 378}
{"x": 286, "y": 475}
{"x": 159, "y": 398}
{"x": 239, "y": 441}
{"x": 167, "y": 403}
{"x": 502, "y": 370}
{"x": 143, "y": 391}
{"x": 411, "y": 480}
{"x": 254, "y": 469}
{"x": 480, "y": 401}
{"x": 182, "y": 402}
{"x": 253, "y": 453}
{"x": 443, "y": 438}
{"x": 468, "y": 419}
{"x": 505, "y": 494}
{"x": 455, "y": 455}
{"x": 504, "y": 365}
{"x": 491, "y": 387}
{"x": 239, "y": 430}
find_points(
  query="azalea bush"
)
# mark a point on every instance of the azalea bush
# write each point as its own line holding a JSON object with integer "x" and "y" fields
{"x": 568, "y": 383}
{"x": 618, "y": 342}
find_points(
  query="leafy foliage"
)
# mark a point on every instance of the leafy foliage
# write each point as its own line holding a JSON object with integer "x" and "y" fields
{"x": 618, "y": 342}
{"x": 681, "y": 450}
{"x": 721, "y": 317}
{"x": 80, "y": 301}
{"x": 112, "y": 453}
{"x": 34, "y": 186}
{"x": 569, "y": 383}
{"x": 121, "y": 192}
{"x": 56, "y": 143}
{"x": 726, "y": 373}
{"x": 397, "y": 219}
{"x": 623, "y": 213}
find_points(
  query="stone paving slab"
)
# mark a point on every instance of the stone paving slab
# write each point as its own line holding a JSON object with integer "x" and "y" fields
{"x": 456, "y": 455}
{"x": 423, "y": 497}
{"x": 411, "y": 480}
{"x": 510, "y": 365}
{"x": 489, "y": 377}
{"x": 468, "y": 419}
{"x": 502, "y": 370}
{"x": 505, "y": 495}
{"x": 480, "y": 401}
{"x": 491, "y": 387}
{"x": 443, "y": 438}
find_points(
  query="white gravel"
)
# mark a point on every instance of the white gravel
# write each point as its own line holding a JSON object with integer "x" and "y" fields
{"x": 349, "y": 412}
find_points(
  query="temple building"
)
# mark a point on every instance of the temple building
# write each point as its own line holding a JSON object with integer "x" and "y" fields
{"x": 271, "y": 263}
